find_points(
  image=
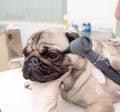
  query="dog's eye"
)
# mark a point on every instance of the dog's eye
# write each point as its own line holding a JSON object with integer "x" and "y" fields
{"x": 52, "y": 55}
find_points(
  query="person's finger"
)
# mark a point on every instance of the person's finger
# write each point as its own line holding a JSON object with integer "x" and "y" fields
{"x": 65, "y": 74}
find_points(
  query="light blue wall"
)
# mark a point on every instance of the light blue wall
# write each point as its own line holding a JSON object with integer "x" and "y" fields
{"x": 33, "y": 10}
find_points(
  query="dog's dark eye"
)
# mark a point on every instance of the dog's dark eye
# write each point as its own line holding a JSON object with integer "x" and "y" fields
{"x": 52, "y": 55}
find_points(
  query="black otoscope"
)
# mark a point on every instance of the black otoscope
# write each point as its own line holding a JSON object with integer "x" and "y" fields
{"x": 83, "y": 46}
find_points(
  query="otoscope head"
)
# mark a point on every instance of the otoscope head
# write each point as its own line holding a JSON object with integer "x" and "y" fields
{"x": 81, "y": 45}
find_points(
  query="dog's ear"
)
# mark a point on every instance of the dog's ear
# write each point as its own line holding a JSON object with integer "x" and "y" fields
{"x": 71, "y": 35}
{"x": 25, "y": 53}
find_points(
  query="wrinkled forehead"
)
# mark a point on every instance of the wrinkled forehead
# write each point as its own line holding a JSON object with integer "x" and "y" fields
{"x": 53, "y": 37}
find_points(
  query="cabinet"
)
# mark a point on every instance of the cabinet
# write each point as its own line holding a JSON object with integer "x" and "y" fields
{"x": 10, "y": 48}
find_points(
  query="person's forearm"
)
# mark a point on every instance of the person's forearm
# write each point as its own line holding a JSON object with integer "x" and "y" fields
{"x": 43, "y": 103}
{"x": 45, "y": 95}
{"x": 44, "y": 98}
{"x": 117, "y": 12}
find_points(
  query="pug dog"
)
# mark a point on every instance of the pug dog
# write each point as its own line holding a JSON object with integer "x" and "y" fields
{"x": 47, "y": 57}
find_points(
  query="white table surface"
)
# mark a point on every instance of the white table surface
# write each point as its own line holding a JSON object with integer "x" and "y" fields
{"x": 15, "y": 98}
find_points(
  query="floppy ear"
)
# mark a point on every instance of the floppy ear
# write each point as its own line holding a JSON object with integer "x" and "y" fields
{"x": 25, "y": 52}
{"x": 71, "y": 35}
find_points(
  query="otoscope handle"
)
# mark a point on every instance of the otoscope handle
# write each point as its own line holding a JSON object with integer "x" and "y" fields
{"x": 103, "y": 64}
{"x": 83, "y": 46}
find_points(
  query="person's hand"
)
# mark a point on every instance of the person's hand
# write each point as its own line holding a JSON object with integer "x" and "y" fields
{"x": 45, "y": 95}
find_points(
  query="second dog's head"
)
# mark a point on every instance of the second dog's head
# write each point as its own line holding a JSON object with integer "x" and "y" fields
{"x": 47, "y": 54}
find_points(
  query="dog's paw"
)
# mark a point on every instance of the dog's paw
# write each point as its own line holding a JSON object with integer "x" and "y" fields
{"x": 27, "y": 85}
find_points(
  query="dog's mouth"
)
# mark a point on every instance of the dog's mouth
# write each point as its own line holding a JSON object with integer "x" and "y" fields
{"x": 44, "y": 70}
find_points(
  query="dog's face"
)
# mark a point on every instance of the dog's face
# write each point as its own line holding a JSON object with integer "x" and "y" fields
{"x": 46, "y": 54}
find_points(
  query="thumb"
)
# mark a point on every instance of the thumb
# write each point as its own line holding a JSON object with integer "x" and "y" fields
{"x": 65, "y": 74}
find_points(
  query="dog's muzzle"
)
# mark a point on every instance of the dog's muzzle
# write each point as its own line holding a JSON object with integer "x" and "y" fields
{"x": 37, "y": 70}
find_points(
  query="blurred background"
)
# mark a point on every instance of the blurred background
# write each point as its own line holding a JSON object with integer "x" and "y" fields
{"x": 20, "y": 18}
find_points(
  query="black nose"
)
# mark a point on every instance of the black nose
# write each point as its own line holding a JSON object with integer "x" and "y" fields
{"x": 34, "y": 61}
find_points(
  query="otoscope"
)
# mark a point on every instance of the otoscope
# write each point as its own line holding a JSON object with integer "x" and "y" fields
{"x": 83, "y": 46}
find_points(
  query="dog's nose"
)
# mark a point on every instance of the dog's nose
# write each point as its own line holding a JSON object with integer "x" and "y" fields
{"x": 34, "y": 61}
